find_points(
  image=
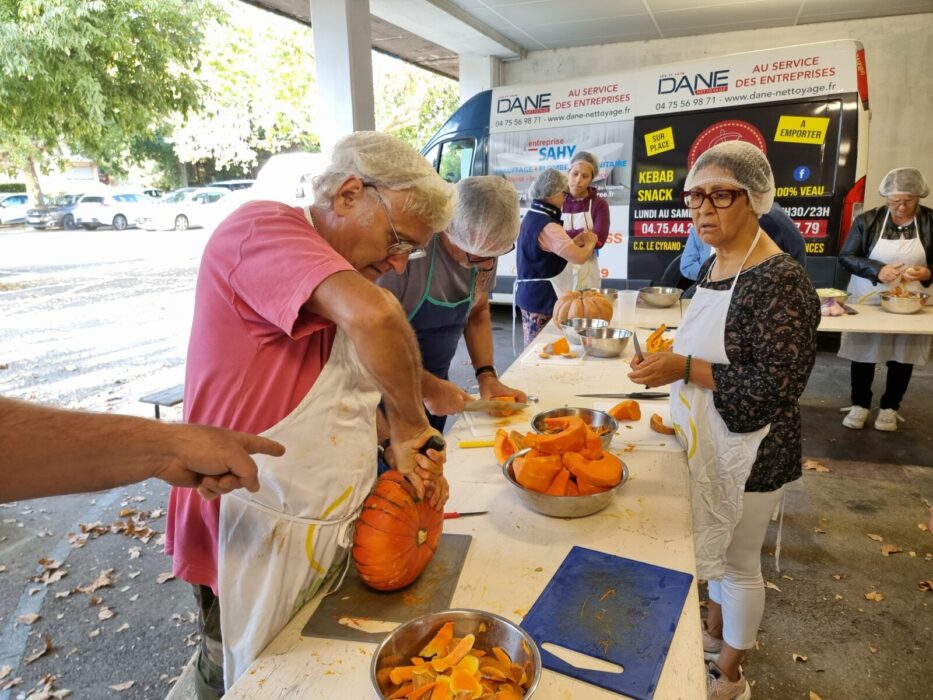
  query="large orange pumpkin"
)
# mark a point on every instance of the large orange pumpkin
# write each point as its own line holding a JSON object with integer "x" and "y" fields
{"x": 395, "y": 535}
{"x": 585, "y": 304}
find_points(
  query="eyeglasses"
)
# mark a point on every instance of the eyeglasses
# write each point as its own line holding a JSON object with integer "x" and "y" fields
{"x": 897, "y": 203}
{"x": 400, "y": 247}
{"x": 476, "y": 260}
{"x": 721, "y": 199}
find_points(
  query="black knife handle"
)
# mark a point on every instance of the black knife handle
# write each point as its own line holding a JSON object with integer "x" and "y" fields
{"x": 435, "y": 442}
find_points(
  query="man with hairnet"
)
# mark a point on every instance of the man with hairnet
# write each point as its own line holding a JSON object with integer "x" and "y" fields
{"x": 292, "y": 340}
{"x": 445, "y": 294}
{"x": 888, "y": 248}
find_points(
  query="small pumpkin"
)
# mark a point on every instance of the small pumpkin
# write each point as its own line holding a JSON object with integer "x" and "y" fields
{"x": 585, "y": 304}
{"x": 395, "y": 535}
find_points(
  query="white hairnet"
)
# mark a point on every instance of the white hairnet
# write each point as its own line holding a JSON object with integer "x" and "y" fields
{"x": 748, "y": 166}
{"x": 548, "y": 183}
{"x": 385, "y": 161}
{"x": 904, "y": 181}
{"x": 486, "y": 217}
{"x": 586, "y": 157}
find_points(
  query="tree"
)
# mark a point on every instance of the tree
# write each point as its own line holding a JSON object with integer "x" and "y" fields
{"x": 92, "y": 76}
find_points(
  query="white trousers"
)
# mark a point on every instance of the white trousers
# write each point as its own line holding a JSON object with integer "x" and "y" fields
{"x": 741, "y": 591}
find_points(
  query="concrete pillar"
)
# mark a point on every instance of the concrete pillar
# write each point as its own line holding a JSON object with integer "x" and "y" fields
{"x": 477, "y": 73}
{"x": 343, "y": 61}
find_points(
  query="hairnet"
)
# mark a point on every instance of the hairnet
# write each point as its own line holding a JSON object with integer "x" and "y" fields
{"x": 548, "y": 183}
{"x": 748, "y": 166}
{"x": 586, "y": 157}
{"x": 385, "y": 161}
{"x": 904, "y": 181}
{"x": 486, "y": 217}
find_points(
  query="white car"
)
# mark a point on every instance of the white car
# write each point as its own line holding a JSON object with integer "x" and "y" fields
{"x": 186, "y": 208}
{"x": 118, "y": 210}
{"x": 13, "y": 207}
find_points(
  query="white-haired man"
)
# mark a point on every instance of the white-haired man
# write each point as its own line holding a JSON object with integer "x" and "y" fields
{"x": 292, "y": 340}
{"x": 446, "y": 293}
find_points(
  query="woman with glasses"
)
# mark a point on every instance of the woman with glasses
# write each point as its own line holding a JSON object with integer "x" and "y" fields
{"x": 446, "y": 293}
{"x": 544, "y": 249}
{"x": 887, "y": 247}
{"x": 740, "y": 361}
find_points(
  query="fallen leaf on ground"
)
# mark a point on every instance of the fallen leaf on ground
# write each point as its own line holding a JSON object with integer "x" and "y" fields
{"x": 773, "y": 587}
{"x": 5, "y": 671}
{"x": 28, "y": 618}
{"x": 799, "y": 657}
{"x": 95, "y": 600}
{"x": 2, "y": 568}
{"x": 814, "y": 696}
{"x": 838, "y": 577}
{"x": 872, "y": 649}
{"x": 45, "y": 690}
{"x": 838, "y": 597}
{"x": 819, "y": 531}
{"x": 134, "y": 574}
{"x": 888, "y": 549}
{"x": 124, "y": 626}
{"x": 876, "y": 538}
{"x": 925, "y": 586}
{"x": 105, "y": 614}
{"x": 123, "y": 686}
{"x": 875, "y": 596}
{"x": 103, "y": 580}
{"x": 785, "y": 576}
{"x": 923, "y": 526}
{"x": 166, "y": 576}
{"x": 11, "y": 683}
{"x": 94, "y": 633}
{"x": 135, "y": 552}
{"x": 40, "y": 652}
{"x": 814, "y": 465}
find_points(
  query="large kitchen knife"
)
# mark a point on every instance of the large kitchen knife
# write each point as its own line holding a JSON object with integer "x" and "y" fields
{"x": 631, "y": 395}
{"x": 488, "y": 405}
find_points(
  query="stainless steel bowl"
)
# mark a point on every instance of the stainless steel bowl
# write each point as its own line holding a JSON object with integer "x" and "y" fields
{"x": 660, "y": 296}
{"x": 572, "y": 328}
{"x": 825, "y": 294}
{"x": 608, "y": 292}
{"x": 605, "y": 342}
{"x": 590, "y": 416}
{"x": 911, "y": 303}
{"x": 491, "y": 630}
{"x": 560, "y": 506}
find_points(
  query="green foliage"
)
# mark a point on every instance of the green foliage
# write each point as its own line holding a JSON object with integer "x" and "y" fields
{"x": 411, "y": 103}
{"x": 12, "y": 187}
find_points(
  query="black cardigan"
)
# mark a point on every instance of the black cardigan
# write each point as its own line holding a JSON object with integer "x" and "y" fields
{"x": 866, "y": 230}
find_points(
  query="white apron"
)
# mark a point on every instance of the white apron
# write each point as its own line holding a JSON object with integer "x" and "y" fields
{"x": 573, "y": 278}
{"x": 906, "y": 348}
{"x": 719, "y": 460}
{"x": 277, "y": 545}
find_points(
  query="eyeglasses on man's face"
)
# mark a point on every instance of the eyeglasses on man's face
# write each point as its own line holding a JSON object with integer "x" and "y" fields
{"x": 476, "y": 260}
{"x": 906, "y": 203}
{"x": 720, "y": 199}
{"x": 400, "y": 247}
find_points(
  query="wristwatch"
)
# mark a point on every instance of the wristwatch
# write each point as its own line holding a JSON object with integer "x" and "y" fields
{"x": 484, "y": 369}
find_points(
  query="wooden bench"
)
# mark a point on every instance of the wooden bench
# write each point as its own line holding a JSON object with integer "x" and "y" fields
{"x": 167, "y": 398}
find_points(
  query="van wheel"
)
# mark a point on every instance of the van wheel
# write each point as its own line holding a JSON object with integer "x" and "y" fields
{"x": 181, "y": 223}
{"x": 119, "y": 222}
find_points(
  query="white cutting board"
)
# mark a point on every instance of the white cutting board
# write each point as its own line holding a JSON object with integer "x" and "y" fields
{"x": 639, "y": 432}
{"x": 534, "y": 358}
{"x": 484, "y": 426}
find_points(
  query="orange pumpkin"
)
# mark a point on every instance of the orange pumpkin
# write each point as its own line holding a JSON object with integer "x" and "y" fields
{"x": 586, "y": 304}
{"x": 395, "y": 535}
{"x": 658, "y": 426}
{"x": 626, "y": 410}
{"x": 605, "y": 471}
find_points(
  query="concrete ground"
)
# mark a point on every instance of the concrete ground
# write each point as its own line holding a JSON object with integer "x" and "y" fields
{"x": 820, "y": 634}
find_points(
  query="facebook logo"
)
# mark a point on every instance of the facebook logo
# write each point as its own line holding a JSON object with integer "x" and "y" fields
{"x": 802, "y": 174}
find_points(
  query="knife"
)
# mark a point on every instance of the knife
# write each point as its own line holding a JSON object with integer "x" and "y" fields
{"x": 487, "y": 405}
{"x": 641, "y": 358}
{"x": 631, "y": 395}
{"x": 455, "y": 514}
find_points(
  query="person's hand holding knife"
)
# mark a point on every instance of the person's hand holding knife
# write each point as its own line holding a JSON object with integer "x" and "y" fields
{"x": 420, "y": 456}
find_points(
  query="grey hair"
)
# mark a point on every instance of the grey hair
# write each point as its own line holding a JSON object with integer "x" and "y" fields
{"x": 904, "y": 181}
{"x": 586, "y": 157}
{"x": 748, "y": 166}
{"x": 548, "y": 183}
{"x": 486, "y": 217}
{"x": 385, "y": 161}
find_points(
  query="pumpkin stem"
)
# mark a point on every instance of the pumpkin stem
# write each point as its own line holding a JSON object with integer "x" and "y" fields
{"x": 422, "y": 535}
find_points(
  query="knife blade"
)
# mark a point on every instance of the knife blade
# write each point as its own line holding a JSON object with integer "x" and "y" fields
{"x": 455, "y": 514}
{"x": 641, "y": 358}
{"x": 630, "y": 395}
{"x": 487, "y": 405}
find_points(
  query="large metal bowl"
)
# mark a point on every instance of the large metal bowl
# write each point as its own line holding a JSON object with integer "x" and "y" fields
{"x": 909, "y": 303}
{"x": 560, "y": 506}
{"x": 608, "y": 292}
{"x": 605, "y": 342}
{"x": 660, "y": 296}
{"x": 592, "y": 417}
{"x": 572, "y": 328}
{"x": 491, "y": 630}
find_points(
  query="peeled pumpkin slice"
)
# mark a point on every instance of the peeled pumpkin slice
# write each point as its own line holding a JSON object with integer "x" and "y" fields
{"x": 657, "y": 425}
{"x": 438, "y": 645}
{"x": 464, "y": 684}
{"x": 504, "y": 412}
{"x": 441, "y": 689}
{"x": 586, "y": 488}
{"x": 503, "y": 446}
{"x": 606, "y": 471}
{"x": 458, "y": 652}
{"x": 558, "y": 347}
{"x": 626, "y": 410}
{"x": 594, "y": 445}
{"x": 558, "y": 485}
{"x": 537, "y": 473}
{"x": 571, "y": 436}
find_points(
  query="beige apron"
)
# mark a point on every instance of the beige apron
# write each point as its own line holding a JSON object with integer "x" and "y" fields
{"x": 906, "y": 348}
{"x": 719, "y": 460}
{"x": 573, "y": 278}
{"x": 277, "y": 545}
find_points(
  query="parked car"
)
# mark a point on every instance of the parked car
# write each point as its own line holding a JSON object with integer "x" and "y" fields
{"x": 286, "y": 177}
{"x": 189, "y": 207}
{"x": 154, "y": 193}
{"x": 233, "y": 184}
{"x": 58, "y": 212}
{"x": 118, "y": 210}
{"x": 14, "y": 207}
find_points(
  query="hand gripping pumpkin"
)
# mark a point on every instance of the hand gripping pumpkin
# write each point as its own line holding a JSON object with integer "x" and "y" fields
{"x": 395, "y": 535}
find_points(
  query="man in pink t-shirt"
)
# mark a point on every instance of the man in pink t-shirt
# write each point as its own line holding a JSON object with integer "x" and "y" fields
{"x": 292, "y": 339}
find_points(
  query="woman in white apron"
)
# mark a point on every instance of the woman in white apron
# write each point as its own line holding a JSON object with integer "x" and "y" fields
{"x": 887, "y": 247}
{"x": 741, "y": 359}
{"x": 583, "y": 210}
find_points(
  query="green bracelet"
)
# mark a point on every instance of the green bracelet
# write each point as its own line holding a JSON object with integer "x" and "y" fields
{"x": 687, "y": 369}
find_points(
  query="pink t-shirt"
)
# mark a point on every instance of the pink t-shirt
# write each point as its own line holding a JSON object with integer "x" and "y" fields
{"x": 253, "y": 353}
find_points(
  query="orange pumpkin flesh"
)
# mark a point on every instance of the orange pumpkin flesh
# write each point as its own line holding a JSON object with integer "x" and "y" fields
{"x": 605, "y": 472}
{"x": 503, "y": 447}
{"x": 657, "y": 425}
{"x": 626, "y": 410}
{"x": 507, "y": 412}
{"x": 571, "y": 436}
{"x": 395, "y": 536}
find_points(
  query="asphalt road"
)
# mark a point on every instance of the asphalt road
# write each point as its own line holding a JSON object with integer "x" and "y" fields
{"x": 93, "y": 320}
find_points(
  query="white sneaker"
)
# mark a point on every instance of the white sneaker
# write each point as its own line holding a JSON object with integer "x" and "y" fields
{"x": 887, "y": 420}
{"x": 856, "y": 418}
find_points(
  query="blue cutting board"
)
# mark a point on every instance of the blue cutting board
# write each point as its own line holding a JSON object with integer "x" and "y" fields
{"x": 610, "y": 608}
